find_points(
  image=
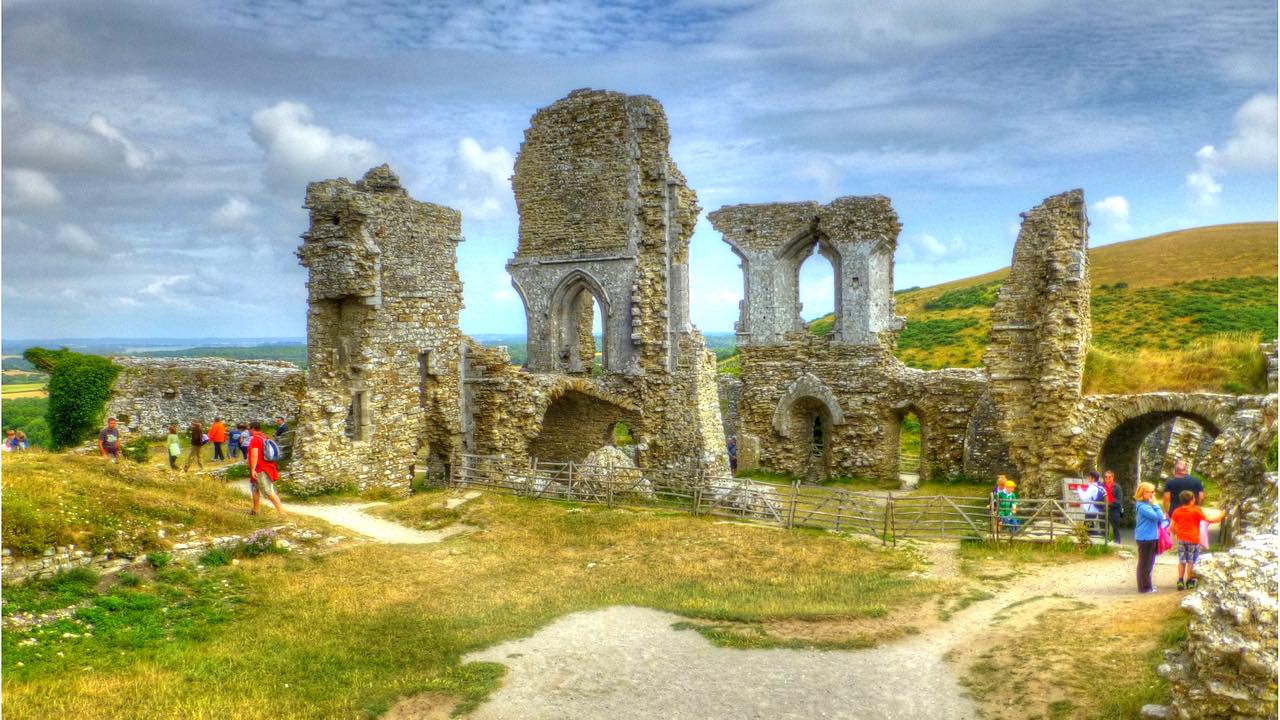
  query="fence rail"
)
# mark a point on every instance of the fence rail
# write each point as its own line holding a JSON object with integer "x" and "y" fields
{"x": 885, "y": 515}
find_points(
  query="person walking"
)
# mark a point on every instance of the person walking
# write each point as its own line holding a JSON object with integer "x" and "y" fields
{"x": 262, "y": 472}
{"x": 217, "y": 436}
{"x": 245, "y": 437}
{"x": 1149, "y": 519}
{"x": 233, "y": 442}
{"x": 1115, "y": 503}
{"x": 109, "y": 441}
{"x": 197, "y": 441}
{"x": 175, "y": 447}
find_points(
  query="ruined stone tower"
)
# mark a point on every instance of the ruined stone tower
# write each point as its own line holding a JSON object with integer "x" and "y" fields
{"x": 383, "y": 344}
{"x": 1039, "y": 338}
{"x": 605, "y": 220}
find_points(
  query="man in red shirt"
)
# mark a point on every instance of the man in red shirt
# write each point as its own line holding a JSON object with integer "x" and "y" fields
{"x": 262, "y": 473}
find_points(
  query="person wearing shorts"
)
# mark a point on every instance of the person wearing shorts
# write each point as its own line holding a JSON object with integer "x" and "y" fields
{"x": 109, "y": 441}
{"x": 1186, "y": 522}
{"x": 262, "y": 473}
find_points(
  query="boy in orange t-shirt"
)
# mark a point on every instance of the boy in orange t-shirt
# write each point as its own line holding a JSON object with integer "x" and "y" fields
{"x": 1186, "y": 521}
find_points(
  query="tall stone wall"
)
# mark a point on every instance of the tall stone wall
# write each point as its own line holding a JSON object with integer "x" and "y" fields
{"x": 152, "y": 393}
{"x": 1039, "y": 337}
{"x": 606, "y": 216}
{"x": 384, "y": 379}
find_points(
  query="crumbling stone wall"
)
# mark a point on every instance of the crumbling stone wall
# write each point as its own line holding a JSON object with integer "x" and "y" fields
{"x": 1039, "y": 337}
{"x": 832, "y": 406}
{"x": 383, "y": 345}
{"x": 152, "y": 393}
{"x": 605, "y": 214}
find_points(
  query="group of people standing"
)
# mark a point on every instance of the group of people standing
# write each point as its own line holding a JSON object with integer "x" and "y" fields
{"x": 237, "y": 437}
{"x": 1177, "y": 519}
{"x": 14, "y": 440}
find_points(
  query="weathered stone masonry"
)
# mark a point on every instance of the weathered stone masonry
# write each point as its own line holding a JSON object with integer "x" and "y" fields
{"x": 384, "y": 379}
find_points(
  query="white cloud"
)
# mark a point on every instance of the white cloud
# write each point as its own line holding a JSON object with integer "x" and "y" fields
{"x": 24, "y": 187}
{"x": 483, "y": 186}
{"x": 1202, "y": 183}
{"x": 75, "y": 238}
{"x": 1253, "y": 145}
{"x": 1114, "y": 210}
{"x": 925, "y": 247}
{"x": 299, "y": 151}
{"x": 159, "y": 287}
{"x": 235, "y": 213}
{"x": 135, "y": 156}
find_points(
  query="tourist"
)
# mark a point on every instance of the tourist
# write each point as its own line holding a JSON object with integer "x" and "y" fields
{"x": 1149, "y": 519}
{"x": 245, "y": 437}
{"x": 1090, "y": 494}
{"x": 1115, "y": 503}
{"x": 233, "y": 442}
{"x": 109, "y": 441}
{"x": 21, "y": 442}
{"x": 262, "y": 472}
{"x": 217, "y": 436}
{"x": 1186, "y": 522}
{"x": 198, "y": 439}
{"x": 281, "y": 429}
{"x": 175, "y": 447}
{"x": 732, "y": 447}
{"x": 10, "y": 441}
{"x": 1181, "y": 480}
{"x": 1007, "y": 506}
{"x": 993, "y": 499}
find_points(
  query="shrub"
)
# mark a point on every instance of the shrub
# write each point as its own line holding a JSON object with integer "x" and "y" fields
{"x": 927, "y": 334}
{"x": 137, "y": 449}
{"x": 981, "y": 295}
{"x": 79, "y": 386}
{"x": 260, "y": 542}
{"x": 159, "y": 559}
{"x": 216, "y": 557}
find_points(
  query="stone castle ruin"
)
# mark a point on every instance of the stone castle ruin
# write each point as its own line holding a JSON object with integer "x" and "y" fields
{"x": 395, "y": 390}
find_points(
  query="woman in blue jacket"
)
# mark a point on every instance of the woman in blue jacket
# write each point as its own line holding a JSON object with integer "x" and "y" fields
{"x": 1149, "y": 519}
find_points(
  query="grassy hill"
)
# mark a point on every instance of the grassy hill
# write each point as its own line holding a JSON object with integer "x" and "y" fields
{"x": 1177, "y": 311}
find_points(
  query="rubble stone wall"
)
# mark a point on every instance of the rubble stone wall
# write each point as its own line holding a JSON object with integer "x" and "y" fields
{"x": 1039, "y": 336}
{"x": 384, "y": 379}
{"x": 152, "y": 393}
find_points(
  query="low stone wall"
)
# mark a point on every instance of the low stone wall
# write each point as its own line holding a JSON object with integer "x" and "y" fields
{"x": 152, "y": 393}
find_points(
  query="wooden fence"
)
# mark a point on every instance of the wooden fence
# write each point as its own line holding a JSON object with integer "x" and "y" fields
{"x": 885, "y": 515}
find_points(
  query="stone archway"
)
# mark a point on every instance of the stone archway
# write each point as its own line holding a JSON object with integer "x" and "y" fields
{"x": 1121, "y": 449}
{"x": 575, "y": 423}
{"x": 893, "y": 441}
{"x": 571, "y": 310}
{"x": 807, "y": 415}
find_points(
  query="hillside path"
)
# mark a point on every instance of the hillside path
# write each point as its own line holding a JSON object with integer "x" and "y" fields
{"x": 354, "y": 518}
{"x": 624, "y": 663}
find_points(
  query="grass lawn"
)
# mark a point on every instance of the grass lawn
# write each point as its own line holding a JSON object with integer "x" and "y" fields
{"x": 345, "y": 634}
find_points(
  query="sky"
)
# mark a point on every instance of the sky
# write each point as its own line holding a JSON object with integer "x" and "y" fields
{"x": 156, "y": 153}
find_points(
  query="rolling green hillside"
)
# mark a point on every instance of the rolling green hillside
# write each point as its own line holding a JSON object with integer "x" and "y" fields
{"x": 1178, "y": 311}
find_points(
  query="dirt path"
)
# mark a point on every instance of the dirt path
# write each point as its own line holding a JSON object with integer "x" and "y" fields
{"x": 628, "y": 662}
{"x": 353, "y": 518}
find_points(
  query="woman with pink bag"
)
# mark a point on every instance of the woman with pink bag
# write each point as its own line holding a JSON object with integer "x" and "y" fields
{"x": 1149, "y": 525}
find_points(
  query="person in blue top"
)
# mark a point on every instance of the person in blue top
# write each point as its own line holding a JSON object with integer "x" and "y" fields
{"x": 1149, "y": 518}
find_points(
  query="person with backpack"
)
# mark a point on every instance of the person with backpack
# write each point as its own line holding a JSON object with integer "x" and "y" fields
{"x": 198, "y": 439}
{"x": 1089, "y": 495}
{"x": 262, "y": 456}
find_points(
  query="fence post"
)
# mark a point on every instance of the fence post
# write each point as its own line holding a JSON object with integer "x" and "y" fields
{"x": 697, "y": 495}
{"x": 608, "y": 484}
{"x": 890, "y": 525}
{"x": 791, "y": 511}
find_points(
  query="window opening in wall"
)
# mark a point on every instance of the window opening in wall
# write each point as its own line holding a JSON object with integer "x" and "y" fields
{"x": 357, "y": 417}
{"x": 909, "y": 444}
{"x": 582, "y": 334}
{"x": 816, "y": 292}
{"x": 818, "y": 437}
{"x": 425, "y": 371}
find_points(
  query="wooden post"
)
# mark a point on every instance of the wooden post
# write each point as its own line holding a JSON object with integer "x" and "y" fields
{"x": 791, "y": 511}
{"x": 890, "y": 523}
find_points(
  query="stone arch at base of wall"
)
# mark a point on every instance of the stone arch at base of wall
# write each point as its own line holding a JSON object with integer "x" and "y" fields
{"x": 1102, "y": 415}
{"x": 805, "y": 387}
{"x": 577, "y": 418}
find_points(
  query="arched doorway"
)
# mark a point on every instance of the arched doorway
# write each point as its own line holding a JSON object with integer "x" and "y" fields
{"x": 580, "y": 318}
{"x": 576, "y": 423}
{"x": 907, "y": 441}
{"x": 1122, "y": 450}
{"x": 810, "y": 425}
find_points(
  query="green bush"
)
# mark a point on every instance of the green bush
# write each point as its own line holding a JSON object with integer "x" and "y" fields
{"x": 1271, "y": 454}
{"x": 28, "y": 415}
{"x": 927, "y": 334}
{"x": 27, "y": 530}
{"x": 79, "y": 386}
{"x": 137, "y": 449}
{"x": 216, "y": 557}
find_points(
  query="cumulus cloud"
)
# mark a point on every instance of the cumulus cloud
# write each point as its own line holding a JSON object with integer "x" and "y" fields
{"x": 75, "y": 238}
{"x": 925, "y": 247}
{"x": 1114, "y": 211}
{"x": 299, "y": 151}
{"x": 483, "y": 187}
{"x": 27, "y": 188}
{"x": 95, "y": 148}
{"x": 234, "y": 214}
{"x": 1252, "y": 146}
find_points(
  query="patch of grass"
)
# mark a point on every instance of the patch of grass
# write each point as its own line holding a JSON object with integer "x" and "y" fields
{"x": 978, "y": 555}
{"x": 351, "y": 631}
{"x": 1222, "y": 363}
{"x": 753, "y": 636}
{"x": 424, "y": 511}
{"x": 928, "y": 334}
{"x": 980, "y": 295}
{"x": 58, "y": 499}
{"x": 1146, "y": 686}
{"x": 59, "y": 591}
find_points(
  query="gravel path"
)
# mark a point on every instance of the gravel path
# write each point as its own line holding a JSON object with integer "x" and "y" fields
{"x": 353, "y": 518}
{"x": 625, "y": 663}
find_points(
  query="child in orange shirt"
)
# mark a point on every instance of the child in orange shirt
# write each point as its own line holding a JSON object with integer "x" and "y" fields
{"x": 1186, "y": 521}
